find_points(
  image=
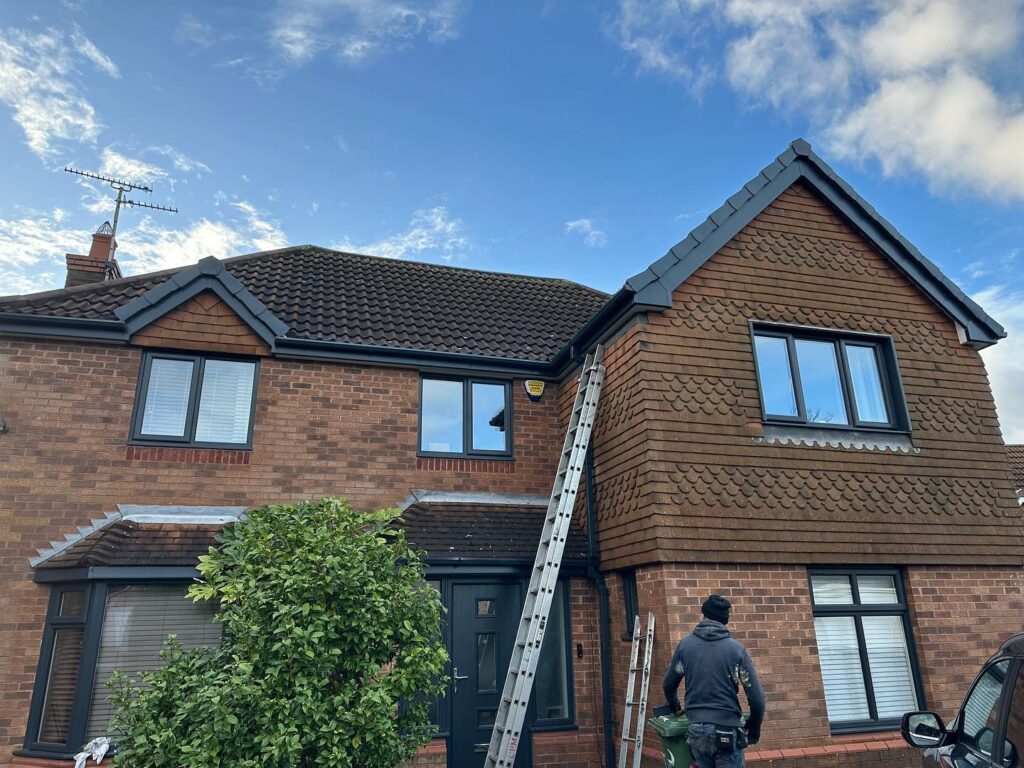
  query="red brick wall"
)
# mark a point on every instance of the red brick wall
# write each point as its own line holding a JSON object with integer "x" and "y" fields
{"x": 320, "y": 429}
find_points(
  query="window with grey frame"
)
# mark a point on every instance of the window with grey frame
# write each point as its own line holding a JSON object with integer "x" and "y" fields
{"x": 92, "y": 630}
{"x": 465, "y": 417}
{"x": 865, "y": 648}
{"x": 195, "y": 400}
{"x": 828, "y": 379}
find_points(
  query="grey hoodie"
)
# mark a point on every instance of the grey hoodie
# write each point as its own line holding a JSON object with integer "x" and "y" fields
{"x": 714, "y": 667}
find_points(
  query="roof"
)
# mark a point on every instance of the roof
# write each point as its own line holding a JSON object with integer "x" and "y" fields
{"x": 654, "y": 286}
{"x": 316, "y": 294}
{"x": 165, "y": 536}
{"x": 1016, "y": 455}
{"x": 483, "y": 531}
{"x": 307, "y": 300}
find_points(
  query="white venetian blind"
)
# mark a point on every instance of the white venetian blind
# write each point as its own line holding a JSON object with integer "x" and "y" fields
{"x": 136, "y": 624}
{"x": 891, "y": 675}
{"x": 170, "y": 383}
{"x": 839, "y": 654}
{"x": 225, "y": 401}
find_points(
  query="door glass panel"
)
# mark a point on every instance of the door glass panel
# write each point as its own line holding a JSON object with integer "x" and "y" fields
{"x": 892, "y": 677}
{"x": 60, "y": 685}
{"x": 981, "y": 710}
{"x": 820, "y": 382}
{"x": 489, "y": 416}
{"x": 486, "y": 662}
{"x": 441, "y": 416}
{"x": 775, "y": 376}
{"x": 1014, "y": 745}
{"x": 841, "y": 672}
{"x": 877, "y": 590}
{"x": 552, "y": 669}
{"x": 831, "y": 590}
{"x": 485, "y": 717}
{"x": 170, "y": 384}
{"x": 867, "y": 383}
{"x": 486, "y": 607}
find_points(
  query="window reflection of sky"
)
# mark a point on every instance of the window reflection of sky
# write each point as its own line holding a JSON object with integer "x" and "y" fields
{"x": 489, "y": 417}
{"x": 819, "y": 377}
{"x": 441, "y": 410}
{"x": 776, "y": 378}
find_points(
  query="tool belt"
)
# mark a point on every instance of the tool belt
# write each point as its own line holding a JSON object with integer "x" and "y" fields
{"x": 729, "y": 740}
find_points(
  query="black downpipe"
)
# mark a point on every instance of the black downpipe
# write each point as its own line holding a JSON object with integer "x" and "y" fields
{"x": 603, "y": 615}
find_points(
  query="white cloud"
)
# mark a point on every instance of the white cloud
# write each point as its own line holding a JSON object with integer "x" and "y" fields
{"x": 355, "y": 30}
{"x": 592, "y": 236}
{"x": 1005, "y": 360}
{"x": 929, "y": 87}
{"x": 119, "y": 166}
{"x": 36, "y": 82}
{"x": 32, "y": 248}
{"x": 180, "y": 160}
{"x": 192, "y": 31}
{"x": 431, "y": 232}
{"x": 88, "y": 49}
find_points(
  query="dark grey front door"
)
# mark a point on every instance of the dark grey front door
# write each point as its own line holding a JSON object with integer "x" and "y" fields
{"x": 484, "y": 618}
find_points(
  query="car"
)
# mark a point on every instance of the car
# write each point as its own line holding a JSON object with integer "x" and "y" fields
{"x": 988, "y": 732}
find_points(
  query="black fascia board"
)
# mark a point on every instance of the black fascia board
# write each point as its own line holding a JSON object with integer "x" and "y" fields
{"x": 287, "y": 346}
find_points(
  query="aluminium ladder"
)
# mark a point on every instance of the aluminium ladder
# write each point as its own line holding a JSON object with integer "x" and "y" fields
{"x": 641, "y": 703}
{"x": 515, "y": 698}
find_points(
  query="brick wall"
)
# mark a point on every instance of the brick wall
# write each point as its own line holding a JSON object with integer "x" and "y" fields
{"x": 772, "y": 616}
{"x": 320, "y": 429}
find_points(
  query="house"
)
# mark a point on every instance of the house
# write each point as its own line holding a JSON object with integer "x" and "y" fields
{"x": 795, "y": 414}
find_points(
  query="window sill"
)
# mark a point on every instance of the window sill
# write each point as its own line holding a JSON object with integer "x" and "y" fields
{"x": 881, "y": 726}
{"x": 466, "y": 456}
{"x": 449, "y": 463}
{"x": 835, "y": 437}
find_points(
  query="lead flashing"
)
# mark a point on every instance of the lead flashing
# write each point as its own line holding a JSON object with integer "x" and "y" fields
{"x": 421, "y": 496}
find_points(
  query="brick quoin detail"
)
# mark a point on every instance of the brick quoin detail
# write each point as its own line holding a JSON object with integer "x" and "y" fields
{"x": 186, "y": 455}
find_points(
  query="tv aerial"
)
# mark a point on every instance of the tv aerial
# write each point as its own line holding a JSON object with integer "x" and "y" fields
{"x": 122, "y": 186}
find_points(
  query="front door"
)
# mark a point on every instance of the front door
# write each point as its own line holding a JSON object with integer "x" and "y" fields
{"x": 483, "y": 621}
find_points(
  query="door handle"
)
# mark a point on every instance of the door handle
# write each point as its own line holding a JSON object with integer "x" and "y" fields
{"x": 456, "y": 677}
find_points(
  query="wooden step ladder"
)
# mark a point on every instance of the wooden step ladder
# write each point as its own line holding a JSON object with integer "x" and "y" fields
{"x": 515, "y": 698}
{"x": 641, "y": 703}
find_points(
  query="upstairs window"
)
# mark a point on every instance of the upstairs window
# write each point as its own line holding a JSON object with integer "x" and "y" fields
{"x": 195, "y": 400}
{"x": 468, "y": 417}
{"x": 827, "y": 379}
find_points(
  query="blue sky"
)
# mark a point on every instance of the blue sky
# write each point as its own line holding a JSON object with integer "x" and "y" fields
{"x": 569, "y": 139}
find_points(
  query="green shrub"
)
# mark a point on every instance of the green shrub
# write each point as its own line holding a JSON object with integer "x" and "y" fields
{"x": 328, "y": 627}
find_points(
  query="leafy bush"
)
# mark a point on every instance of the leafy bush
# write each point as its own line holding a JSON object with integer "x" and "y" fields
{"x": 330, "y": 655}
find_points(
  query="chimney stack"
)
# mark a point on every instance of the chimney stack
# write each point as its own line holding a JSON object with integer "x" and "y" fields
{"x": 100, "y": 265}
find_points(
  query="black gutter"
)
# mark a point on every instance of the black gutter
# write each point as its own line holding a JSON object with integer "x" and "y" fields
{"x": 604, "y": 618}
{"x": 68, "y": 327}
{"x": 363, "y": 353}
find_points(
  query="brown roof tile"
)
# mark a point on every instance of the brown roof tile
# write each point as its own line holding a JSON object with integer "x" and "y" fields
{"x": 442, "y": 530}
{"x": 327, "y": 295}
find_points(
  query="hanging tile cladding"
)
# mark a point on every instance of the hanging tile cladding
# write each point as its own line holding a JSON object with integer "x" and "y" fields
{"x": 682, "y": 476}
{"x": 204, "y": 323}
{"x": 1016, "y": 455}
{"x": 320, "y": 429}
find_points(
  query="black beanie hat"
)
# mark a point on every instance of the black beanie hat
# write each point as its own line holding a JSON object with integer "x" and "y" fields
{"x": 716, "y": 608}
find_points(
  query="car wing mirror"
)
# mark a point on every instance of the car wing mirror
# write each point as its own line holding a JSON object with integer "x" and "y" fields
{"x": 923, "y": 730}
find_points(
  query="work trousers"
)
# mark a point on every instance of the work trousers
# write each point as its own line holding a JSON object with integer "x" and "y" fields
{"x": 701, "y": 738}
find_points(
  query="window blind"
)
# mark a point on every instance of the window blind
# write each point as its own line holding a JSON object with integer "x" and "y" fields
{"x": 136, "y": 623}
{"x": 225, "y": 402}
{"x": 170, "y": 383}
{"x": 841, "y": 673}
{"x": 60, "y": 685}
{"x": 891, "y": 675}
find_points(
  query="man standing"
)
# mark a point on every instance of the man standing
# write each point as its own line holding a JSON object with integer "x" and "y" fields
{"x": 714, "y": 667}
